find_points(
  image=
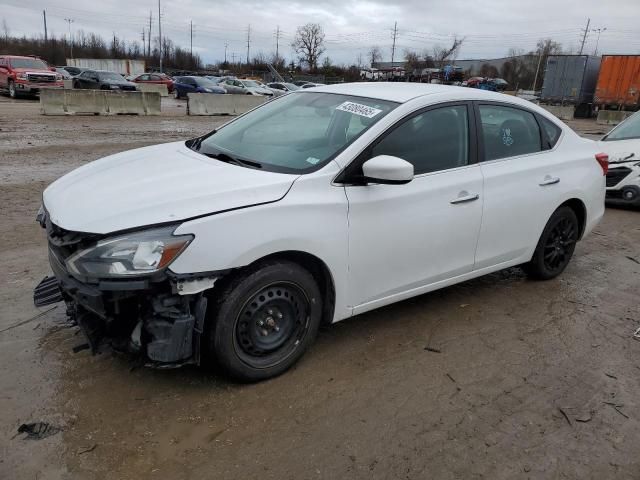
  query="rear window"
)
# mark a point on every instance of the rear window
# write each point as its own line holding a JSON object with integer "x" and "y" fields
{"x": 552, "y": 130}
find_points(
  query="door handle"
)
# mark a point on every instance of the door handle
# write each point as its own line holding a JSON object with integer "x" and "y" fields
{"x": 464, "y": 198}
{"x": 548, "y": 180}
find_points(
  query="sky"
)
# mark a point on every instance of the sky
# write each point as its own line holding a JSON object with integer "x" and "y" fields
{"x": 489, "y": 27}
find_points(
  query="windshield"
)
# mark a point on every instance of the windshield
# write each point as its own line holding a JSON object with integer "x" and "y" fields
{"x": 295, "y": 133}
{"x": 28, "y": 63}
{"x": 204, "y": 82}
{"x": 250, "y": 83}
{"x": 628, "y": 129}
{"x": 110, "y": 76}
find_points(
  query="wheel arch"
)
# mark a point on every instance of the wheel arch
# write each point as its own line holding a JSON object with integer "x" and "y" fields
{"x": 316, "y": 267}
{"x": 580, "y": 210}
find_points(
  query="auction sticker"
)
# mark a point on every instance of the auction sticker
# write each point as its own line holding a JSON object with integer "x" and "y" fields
{"x": 359, "y": 109}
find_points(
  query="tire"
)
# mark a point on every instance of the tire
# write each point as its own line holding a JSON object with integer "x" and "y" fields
{"x": 176, "y": 94}
{"x": 11, "y": 87}
{"x": 264, "y": 321}
{"x": 555, "y": 246}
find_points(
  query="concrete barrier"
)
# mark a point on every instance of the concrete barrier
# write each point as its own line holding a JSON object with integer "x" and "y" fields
{"x": 563, "y": 112}
{"x": 218, "y": 104}
{"x": 612, "y": 117}
{"x": 153, "y": 87}
{"x": 68, "y": 84}
{"x": 98, "y": 102}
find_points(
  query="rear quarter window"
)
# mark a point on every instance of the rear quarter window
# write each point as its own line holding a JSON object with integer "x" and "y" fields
{"x": 552, "y": 132}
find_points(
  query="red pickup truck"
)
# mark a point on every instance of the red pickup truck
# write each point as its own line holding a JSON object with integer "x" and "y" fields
{"x": 26, "y": 75}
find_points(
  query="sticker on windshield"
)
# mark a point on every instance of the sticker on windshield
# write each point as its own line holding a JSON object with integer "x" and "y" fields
{"x": 313, "y": 160}
{"x": 359, "y": 109}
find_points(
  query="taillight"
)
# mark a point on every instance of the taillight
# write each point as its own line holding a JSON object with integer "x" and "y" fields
{"x": 603, "y": 161}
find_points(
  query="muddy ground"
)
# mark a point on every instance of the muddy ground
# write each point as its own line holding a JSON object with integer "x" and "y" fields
{"x": 521, "y": 379}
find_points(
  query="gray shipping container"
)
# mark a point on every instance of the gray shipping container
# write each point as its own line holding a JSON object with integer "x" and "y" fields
{"x": 570, "y": 79}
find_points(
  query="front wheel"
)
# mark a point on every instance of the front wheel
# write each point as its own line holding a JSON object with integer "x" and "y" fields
{"x": 264, "y": 321}
{"x": 12, "y": 89}
{"x": 555, "y": 247}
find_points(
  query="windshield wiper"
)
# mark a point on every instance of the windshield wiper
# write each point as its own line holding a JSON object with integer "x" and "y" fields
{"x": 223, "y": 157}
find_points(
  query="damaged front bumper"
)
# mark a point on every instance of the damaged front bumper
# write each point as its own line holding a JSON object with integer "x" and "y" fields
{"x": 160, "y": 316}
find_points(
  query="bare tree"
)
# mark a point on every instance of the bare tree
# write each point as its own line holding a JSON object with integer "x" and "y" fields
{"x": 309, "y": 44}
{"x": 441, "y": 55}
{"x": 5, "y": 29}
{"x": 374, "y": 55}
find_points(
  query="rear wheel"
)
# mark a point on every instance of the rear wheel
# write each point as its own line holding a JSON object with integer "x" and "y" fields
{"x": 556, "y": 245}
{"x": 264, "y": 321}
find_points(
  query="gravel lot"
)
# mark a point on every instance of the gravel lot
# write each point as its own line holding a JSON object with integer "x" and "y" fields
{"x": 521, "y": 379}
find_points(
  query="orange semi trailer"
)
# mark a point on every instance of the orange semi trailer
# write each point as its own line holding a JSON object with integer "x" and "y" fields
{"x": 619, "y": 83}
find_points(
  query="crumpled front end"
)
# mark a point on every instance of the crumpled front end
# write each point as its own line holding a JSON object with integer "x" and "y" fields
{"x": 160, "y": 316}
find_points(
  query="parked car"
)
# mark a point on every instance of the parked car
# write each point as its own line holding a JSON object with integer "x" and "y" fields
{"x": 74, "y": 71}
{"x": 283, "y": 86}
{"x": 102, "y": 80}
{"x": 311, "y": 85}
{"x": 245, "y": 87}
{"x": 309, "y": 209}
{"x": 300, "y": 83}
{"x": 155, "y": 79}
{"x": 65, "y": 74}
{"x": 26, "y": 75}
{"x": 184, "y": 85}
{"x": 622, "y": 144}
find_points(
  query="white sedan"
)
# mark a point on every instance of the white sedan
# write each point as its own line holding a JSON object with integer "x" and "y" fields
{"x": 234, "y": 247}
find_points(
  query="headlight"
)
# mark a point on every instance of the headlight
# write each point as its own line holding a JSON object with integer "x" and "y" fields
{"x": 138, "y": 253}
{"x": 21, "y": 76}
{"x": 208, "y": 90}
{"x": 114, "y": 87}
{"x": 58, "y": 77}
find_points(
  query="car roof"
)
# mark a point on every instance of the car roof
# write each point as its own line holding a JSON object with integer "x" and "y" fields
{"x": 402, "y": 92}
{"x": 22, "y": 56}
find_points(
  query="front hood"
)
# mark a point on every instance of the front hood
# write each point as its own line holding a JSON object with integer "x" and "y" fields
{"x": 157, "y": 184}
{"x": 33, "y": 70}
{"x": 621, "y": 150}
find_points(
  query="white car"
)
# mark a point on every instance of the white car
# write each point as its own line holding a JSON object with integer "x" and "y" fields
{"x": 323, "y": 204}
{"x": 622, "y": 144}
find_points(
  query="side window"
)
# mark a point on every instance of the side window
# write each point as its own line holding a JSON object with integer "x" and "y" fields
{"x": 552, "y": 130}
{"x": 434, "y": 140}
{"x": 508, "y": 132}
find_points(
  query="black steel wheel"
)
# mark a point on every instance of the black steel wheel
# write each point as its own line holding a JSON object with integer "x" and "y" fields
{"x": 556, "y": 245}
{"x": 271, "y": 323}
{"x": 263, "y": 320}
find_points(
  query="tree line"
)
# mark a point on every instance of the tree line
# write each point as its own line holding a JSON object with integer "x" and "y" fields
{"x": 56, "y": 50}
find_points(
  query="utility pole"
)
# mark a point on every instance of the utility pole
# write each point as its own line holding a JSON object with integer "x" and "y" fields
{"x": 393, "y": 48}
{"x": 44, "y": 16}
{"x": 584, "y": 37}
{"x": 159, "y": 36}
{"x": 535, "y": 79}
{"x": 599, "y": 31}
{"x": 233, "y": 58}
{"x": 248, "y": 41}
{"x": 226, "y": 45}
{"x": 191, "y": 36}
{"x": 144, "y": 40}
{"x": 149, "y": 39}
{"x": 70, "y": 21}
{"x": 277, "y": 41}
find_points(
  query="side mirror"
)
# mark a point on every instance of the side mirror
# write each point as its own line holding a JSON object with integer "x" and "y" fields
{"x": 387, "y": 170}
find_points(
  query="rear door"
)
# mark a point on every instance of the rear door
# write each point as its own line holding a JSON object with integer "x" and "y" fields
{"x": 404, "y": 237}
{"x": 523, "y": 181}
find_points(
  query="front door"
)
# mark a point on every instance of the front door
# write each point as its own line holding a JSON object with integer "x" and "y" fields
{"x": 405, "y": 237}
